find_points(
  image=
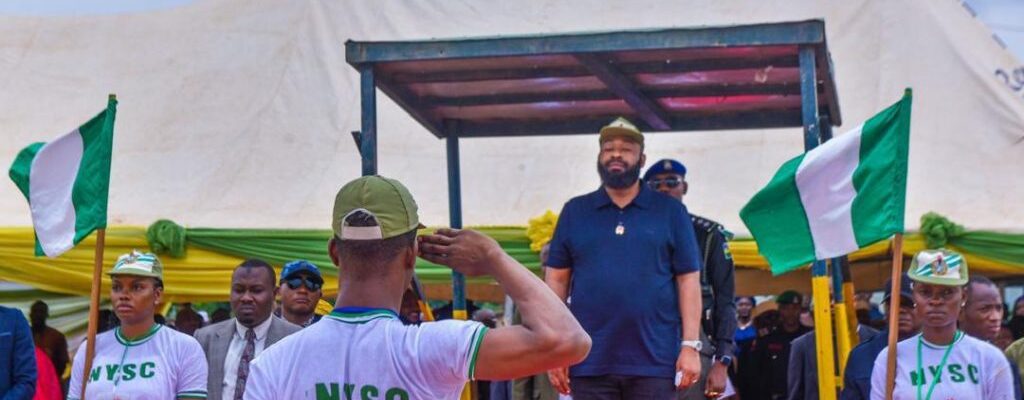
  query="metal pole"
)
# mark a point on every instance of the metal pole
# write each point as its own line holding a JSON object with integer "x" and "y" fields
{"x": 819, "y": 272}
{"x": 368, "y": 133}
{"x": 455, "y": 213}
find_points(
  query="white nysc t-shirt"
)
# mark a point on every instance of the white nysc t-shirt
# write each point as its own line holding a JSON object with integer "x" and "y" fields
{"x": 973, "y": 370}
{"x": 163, "y": 364}
{"x": 368, "y": 354}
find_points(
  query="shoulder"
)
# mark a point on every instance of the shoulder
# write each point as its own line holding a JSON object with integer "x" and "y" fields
{"x": 179, "y": 339}
{"x": 53, "y": 332}
{"x": 211, "y": 329}
{"x": 451, "y": 332}
{"x": 703, "y": 224}
{"x": 12, "y": 317}
{"x": 807, "y": 338}
{"x": 985, "y": 349}
{"x": 583, "y": 200}
{"x": 284, "y": 326}
{"x": 1016, "y": 349}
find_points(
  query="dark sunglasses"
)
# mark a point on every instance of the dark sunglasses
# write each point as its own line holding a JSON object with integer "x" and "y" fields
{"x": 294, "y": 283}
{"x": 670, "y": 182}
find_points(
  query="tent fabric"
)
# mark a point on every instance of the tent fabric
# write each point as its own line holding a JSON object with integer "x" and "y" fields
{"x": 238, "y": 113}
{"x": 210, "y": 255}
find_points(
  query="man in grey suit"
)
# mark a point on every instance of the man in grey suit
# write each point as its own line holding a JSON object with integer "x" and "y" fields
{"x": 231, "y": 345}
{"x": 803, "y": 364}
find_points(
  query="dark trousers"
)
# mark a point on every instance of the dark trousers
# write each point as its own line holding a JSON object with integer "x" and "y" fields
{"x": 621, "y": 387}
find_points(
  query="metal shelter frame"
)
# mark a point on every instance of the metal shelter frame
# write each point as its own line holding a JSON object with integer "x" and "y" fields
{"x": 679, "y": 79}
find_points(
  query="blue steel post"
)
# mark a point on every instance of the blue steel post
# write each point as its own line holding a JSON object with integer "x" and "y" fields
{"x": 835, "y": 264}
{"x": 824, "y": 348}
{"x": 368, "y": 133}
{"x": 809, "y": 112}
{"x": 451, "y": 129}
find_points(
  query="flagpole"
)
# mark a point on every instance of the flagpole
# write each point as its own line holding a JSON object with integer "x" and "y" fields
{"x": 894, "y": 312}
{"x": 94, "y": 295}
{"x": 94, "y": 307}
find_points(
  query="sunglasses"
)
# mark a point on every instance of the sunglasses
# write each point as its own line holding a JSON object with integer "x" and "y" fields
{"x": 295, "y": 283}
{"x": 670, "y": 182}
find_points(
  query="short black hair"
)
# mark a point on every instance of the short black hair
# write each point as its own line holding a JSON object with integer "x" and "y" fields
{"x": 258, "y": 263}
{"x": 366, "y": 256}
{"x": 980, "y": 280}
{"x": 977, "y": 280}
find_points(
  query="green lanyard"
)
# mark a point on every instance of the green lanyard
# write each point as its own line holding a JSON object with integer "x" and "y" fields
{"x": 124, "y": 353}
{"x": 945, "y": 357}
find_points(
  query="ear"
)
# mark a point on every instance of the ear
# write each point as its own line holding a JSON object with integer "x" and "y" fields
{"x": 686, "y": 186}
{"x": 332, "y": 251}
{"x": 411, "y": 253}
{"x": 643, "y": 159}
{"x": 158, "y": 292}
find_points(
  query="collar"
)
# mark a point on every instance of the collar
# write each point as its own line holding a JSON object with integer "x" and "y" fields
{"x": 360, "y": 315}
{"x": 600, "y": 198}
{"x": 261, "y": 329}
{"x": 139, "y": 340}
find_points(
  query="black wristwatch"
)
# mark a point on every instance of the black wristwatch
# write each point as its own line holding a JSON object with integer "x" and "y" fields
{"x": 725, "y": 360}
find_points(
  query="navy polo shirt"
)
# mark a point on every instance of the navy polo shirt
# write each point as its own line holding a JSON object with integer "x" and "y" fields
{"x": 623, "y": 289}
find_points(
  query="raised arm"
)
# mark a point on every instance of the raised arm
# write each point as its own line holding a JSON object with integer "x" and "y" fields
{"x": 549, "y": 337}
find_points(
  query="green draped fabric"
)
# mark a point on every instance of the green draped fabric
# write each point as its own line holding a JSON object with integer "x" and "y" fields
{"x": 279, "y": 246}
{"x": 939, "y": 231}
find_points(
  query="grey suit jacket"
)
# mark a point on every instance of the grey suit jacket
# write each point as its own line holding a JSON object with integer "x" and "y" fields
{"x": 216, "y": 339}
{"x": 803, "y": 364}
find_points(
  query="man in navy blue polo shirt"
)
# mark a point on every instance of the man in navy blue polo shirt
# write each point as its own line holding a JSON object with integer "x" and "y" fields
{"x": 632, "y": 258}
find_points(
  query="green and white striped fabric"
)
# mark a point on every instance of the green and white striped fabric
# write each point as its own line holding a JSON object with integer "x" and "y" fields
{"x": 939, "y": 267}
{"x": 66, "y": 183}
{"x": 841, "y": 196}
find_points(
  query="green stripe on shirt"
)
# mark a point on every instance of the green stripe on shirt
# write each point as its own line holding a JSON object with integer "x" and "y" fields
{"x": 474, "y": 351}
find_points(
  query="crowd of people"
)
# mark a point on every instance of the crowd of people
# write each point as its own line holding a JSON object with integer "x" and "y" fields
{"x": 637, "y": 301}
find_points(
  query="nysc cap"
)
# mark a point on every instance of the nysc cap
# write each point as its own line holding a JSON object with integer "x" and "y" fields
{"x": 138, "y": 263}
{"x": 385, "y": 200}
{"x": 621, "y": 128}
{"x": 939, "y": 267}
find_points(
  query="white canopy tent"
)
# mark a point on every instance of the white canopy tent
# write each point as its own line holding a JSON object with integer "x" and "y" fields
{"x": 237, "y": 113}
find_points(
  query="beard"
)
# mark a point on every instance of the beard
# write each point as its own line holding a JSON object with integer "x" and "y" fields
{"x": 620, "y": 180}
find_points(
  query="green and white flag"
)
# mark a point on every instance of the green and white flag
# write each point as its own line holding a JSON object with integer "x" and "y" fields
{"x": 843, "y": 195}
{"x": 66, "y": 183}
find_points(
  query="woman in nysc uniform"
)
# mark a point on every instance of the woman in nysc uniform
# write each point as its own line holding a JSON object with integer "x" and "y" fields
{"x": 942, "y": 362}
{"x": 140, "y": 359}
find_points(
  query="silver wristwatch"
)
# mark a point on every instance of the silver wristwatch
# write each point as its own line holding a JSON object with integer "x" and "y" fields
{"x": 695, "y": 344}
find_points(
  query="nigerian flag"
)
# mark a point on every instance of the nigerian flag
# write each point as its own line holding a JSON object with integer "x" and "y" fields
{"x": 843, "y": 195}
{"x": 66, "y": 183}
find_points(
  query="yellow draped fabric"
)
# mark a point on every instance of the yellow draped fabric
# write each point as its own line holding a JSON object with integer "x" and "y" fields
{"x": 201, "y": 275}
{"x": 204, "y": 275}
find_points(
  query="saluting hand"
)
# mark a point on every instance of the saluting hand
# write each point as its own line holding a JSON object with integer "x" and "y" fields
{"x": 464, "y": 250}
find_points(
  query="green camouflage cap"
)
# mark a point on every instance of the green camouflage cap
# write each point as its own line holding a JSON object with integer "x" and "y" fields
{"x": 386, "y": 200}
{"x": 138, "y": 263}
{"x": 939, "y": 267}
{"x": 621, "y": 128}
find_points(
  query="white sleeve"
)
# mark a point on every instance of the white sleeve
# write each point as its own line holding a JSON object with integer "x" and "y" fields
{"x": 77, "y": 366}
{"x": 258, "y": 386}
{"x": 448, "y": 350}
{"x": 1000, "y": 383}
{"x": 878, "y": 375}
{"x": 192, "y": 370}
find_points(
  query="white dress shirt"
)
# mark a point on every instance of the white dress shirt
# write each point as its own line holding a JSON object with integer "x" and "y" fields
{"x": 235, "y": 354}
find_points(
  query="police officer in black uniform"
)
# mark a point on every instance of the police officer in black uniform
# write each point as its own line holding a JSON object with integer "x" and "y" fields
{"x": 717, "y": 285}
